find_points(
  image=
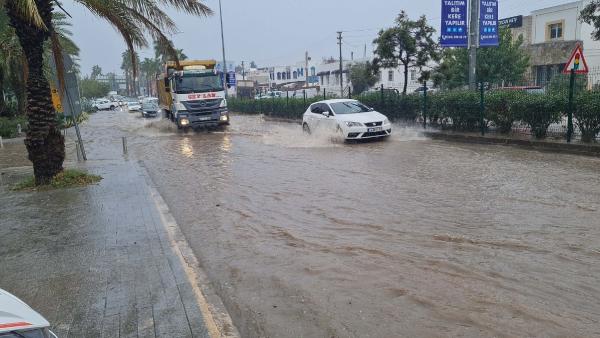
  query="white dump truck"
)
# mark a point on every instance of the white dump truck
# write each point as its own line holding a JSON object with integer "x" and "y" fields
{"x": 192, "y": 94}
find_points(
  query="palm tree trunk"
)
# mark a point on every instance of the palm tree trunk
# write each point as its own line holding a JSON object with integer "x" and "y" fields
{"x": 405, "y": 79}
{"x": 44, "y": 142}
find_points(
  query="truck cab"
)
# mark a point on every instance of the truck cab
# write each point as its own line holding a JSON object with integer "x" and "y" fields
{"x": 192, "y": 94}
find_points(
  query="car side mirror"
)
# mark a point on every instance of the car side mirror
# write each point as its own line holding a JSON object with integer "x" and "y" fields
{"x": 371, "y": 109}
{"x": 327, "y": 113}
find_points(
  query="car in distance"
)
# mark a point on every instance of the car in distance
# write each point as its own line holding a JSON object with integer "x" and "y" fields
{"x": 18, "y": 320}
{"x": 133, "y": 105}
{"x": 150, "y": 107}
{"x": 104, "y": 104}
{"x": 348, "y": 118}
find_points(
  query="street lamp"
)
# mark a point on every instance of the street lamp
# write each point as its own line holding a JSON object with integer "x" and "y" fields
{"x": 223, "y": 46}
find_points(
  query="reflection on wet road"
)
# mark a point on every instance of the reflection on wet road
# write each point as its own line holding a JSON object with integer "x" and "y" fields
{"x": 408, "y": 237}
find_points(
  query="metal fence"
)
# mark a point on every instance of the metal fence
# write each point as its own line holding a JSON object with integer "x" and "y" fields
{"x": 541, "y": 95}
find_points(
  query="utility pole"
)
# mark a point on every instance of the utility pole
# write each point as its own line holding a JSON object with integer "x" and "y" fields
{"x": 223, "y": 46}
{"x": 341, "y": 65}
{"x": 473, "y": 42}
{"x": 306, "y": 59}
{"x": 243, "y": 71}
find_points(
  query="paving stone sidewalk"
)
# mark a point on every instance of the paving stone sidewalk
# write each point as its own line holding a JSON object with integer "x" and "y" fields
{"x": 97, "y": 261}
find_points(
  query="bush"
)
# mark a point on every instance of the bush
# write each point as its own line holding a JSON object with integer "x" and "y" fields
{"x": 8, "y": 126}
{"x": 461, "y": 107}
{"x": 539, "y": 111}
{"x": 500, "y": 110}
{"x": 587, "y": 115}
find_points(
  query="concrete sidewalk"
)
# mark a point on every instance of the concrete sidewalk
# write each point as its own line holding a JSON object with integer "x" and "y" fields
{"x": 105, "y": 260}
{"x": 551, "y": 145}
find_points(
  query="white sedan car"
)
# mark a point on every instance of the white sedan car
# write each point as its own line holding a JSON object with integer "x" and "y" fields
{"x": 18, "y": 320}
{"x": 348, "y": 118}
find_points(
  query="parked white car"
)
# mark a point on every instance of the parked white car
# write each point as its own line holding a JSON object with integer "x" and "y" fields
{"x": 104, "y": 104}
{"x": 350, "y": 119}
{"x": 134, "y": 106}
{"x": 18, "y": 320}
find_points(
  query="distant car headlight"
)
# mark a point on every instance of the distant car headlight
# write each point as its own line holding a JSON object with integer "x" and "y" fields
{"x": 354, "y": 124}
{"x": 223, "y": 103}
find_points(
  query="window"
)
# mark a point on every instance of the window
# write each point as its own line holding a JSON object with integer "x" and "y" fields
{"x": 413, "y": 74}
{"x": 278, "y": 76}
{"x": 312, "y": 71}
{"x": 555, "y": 30}
{"x": 295, "y": 75}
{"x": 391, "y": 76}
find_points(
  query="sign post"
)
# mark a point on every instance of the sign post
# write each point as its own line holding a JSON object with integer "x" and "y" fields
{"x": 576, "y": 65}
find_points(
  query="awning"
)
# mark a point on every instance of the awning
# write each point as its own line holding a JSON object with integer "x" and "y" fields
{"x": 323, "y": 73}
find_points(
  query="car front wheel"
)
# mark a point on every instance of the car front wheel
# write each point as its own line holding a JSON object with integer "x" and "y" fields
{"x": 306, "y": 128}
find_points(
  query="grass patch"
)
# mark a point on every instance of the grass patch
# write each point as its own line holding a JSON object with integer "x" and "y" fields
{"x": 69, "y": 178}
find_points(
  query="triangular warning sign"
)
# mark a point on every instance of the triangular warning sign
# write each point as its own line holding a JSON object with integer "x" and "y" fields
{"x": 577, "y": 62}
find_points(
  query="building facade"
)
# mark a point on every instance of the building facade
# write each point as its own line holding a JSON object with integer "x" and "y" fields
{"x": 551, "y": 34}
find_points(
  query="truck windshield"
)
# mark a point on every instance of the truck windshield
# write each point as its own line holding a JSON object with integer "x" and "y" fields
{"x": 198, "y": 84}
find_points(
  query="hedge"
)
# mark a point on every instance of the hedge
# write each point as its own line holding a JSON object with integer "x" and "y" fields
{"x": 460, "y": 110}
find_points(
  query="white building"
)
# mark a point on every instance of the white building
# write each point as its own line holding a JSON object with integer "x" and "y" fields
{"x": 550, "y": 36}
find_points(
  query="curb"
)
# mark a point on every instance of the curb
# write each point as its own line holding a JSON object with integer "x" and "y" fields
{"x": 217, "y": 319}
{"x": 570, "y": 148}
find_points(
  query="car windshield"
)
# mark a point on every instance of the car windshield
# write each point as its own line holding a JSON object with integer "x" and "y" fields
{"x": 198, "y": 84}
{"x": 38, "y": 333}
{"x": 349, "y": 107}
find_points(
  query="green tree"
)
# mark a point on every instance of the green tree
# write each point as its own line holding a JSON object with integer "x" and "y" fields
{"x": 13, "y": 67}
{"x": 506, "y": 63}
{"x": 408, "y": 44}
{"x": 32, "y": 21}
{"x": 96, "y": 71}
{"x": 363, "y": 76}
{"x": 149, "y": 69}
{"x": 92, "y": 88}
{"x": 130, "y": 66}
{"x": 591, "y": 15}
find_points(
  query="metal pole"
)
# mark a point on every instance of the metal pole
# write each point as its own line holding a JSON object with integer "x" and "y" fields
{"x": 304, "y": 95}
{"x": 243, "y": 71}
{"x": 482, "y": 109}
{"x": 223, "y": 47}
{"x": 124, "y": 140}
{"x": 473, "y": 42}
{"x": 570, "y": 113}
{"x": 306, "y": 70}
{"x": 341, "y": 66}
{"x": 382, "y": 96}
{"x": 324, "y": 94}
{"x": 425, "y": 105}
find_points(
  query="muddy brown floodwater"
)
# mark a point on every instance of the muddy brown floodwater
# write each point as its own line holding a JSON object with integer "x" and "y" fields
{"x": 409, "y": 237}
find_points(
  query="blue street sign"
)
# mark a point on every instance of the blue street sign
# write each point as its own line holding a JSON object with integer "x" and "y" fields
{"x": 231, "y": 80}
{"x": 454, "y": 32}
{"x": 488, "y": 23}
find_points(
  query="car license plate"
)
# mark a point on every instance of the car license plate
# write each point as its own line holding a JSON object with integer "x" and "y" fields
{"x": 205, "y": 118}
{"x": 374, "y": 130}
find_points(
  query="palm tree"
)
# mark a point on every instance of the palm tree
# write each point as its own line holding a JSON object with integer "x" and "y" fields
{"x": 130, "y": 66}
{"x": 13, "y": 67}
{"x": 149, "y": 69}
{"x": 32, "y": 21}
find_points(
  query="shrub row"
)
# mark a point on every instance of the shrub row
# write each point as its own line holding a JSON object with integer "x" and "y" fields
{"x": 460, "y": 110}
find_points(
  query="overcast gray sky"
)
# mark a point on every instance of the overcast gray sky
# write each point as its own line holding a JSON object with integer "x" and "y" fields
{"x": 271, "y": 32}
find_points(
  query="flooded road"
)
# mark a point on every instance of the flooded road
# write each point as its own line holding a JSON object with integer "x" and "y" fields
{"x": 408, "y": 237}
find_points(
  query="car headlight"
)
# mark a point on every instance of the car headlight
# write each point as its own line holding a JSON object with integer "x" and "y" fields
{"x": 354, "y": 124}
{"x": 223, "y": 103}
{"x": 184, "y": 121}
{"x": 386, "y": 121}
